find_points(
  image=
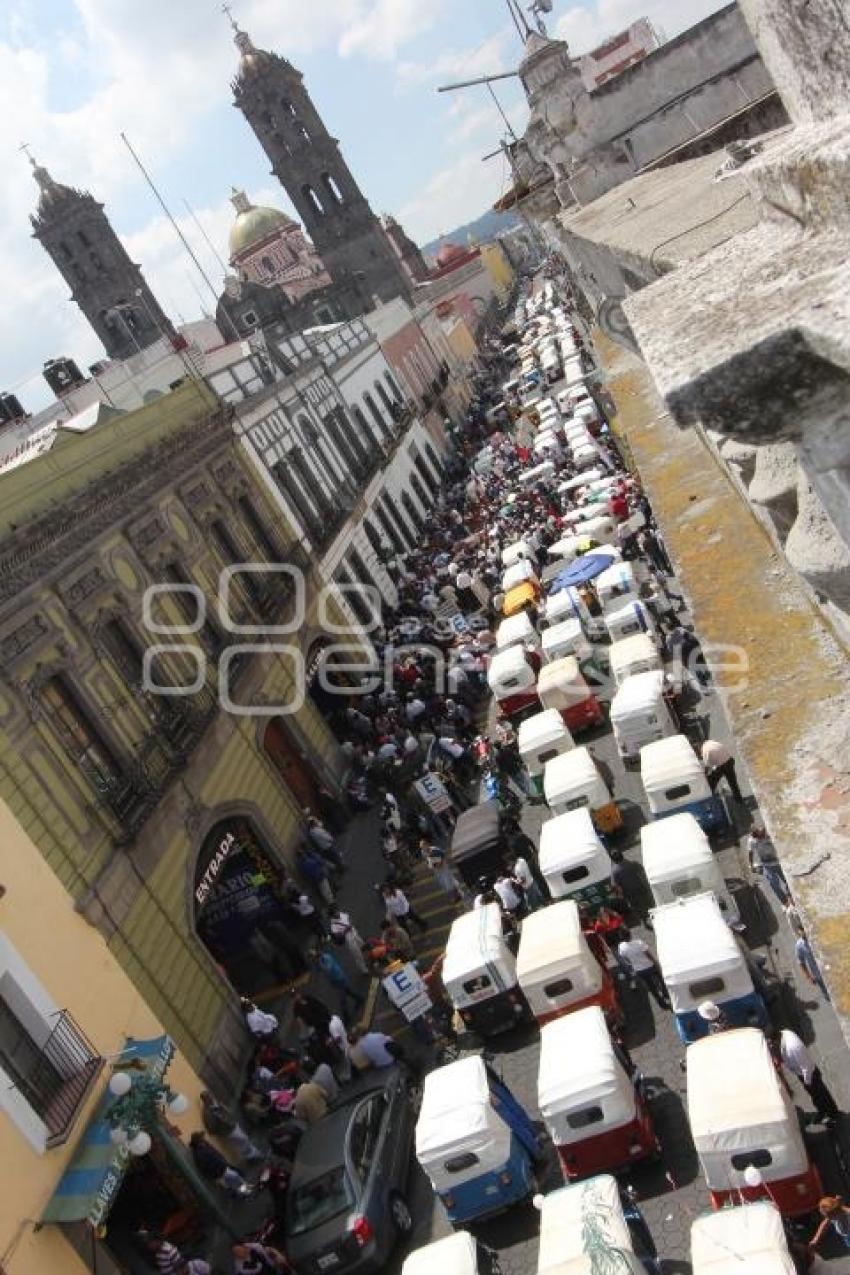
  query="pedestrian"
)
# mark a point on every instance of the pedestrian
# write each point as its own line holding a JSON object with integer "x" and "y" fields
{"x": 629, "y": 880}
{"x": 251, "y": 1258}
{"x": 321, "y": 1074}
{"x": 374, "y": 1049}
{"x": 315, "y": 873}
{"x": 338, "y": 979}
{"x": 396, "y": 939}
{"x": 795, "y": 921}
{"x": 521, "y": 873}
{"x": 397, "y": 905}
{"x": 212, "y": 1165}
{"x": 637, "y": 959}
{"x": 604, "y": 771}
{"x": 304, "y": 907}
{"x": 797, "y": 1059}
{"x": 836, "y": 1217}
{"x": 713, "y": 1015}
{"x": 261, "y": 1025}
{"x": 720, "y": 764}
{"x": 311, "y": 1102}
{"x": 510, "y": 895}
{"x": 344, "y": 934}
{"x": 338, "y": 1037}
{"x": 807, "y": 962}
{"x": 168, "y": 1259}
{"x": 322, "y": 840}
{"x": 765, "y": 861}
{"x": 220, "y": 1121}
{"x": 436, "y": 859}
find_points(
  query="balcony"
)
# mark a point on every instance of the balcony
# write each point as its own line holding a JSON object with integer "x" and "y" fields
{"x": 59, "y": 1075}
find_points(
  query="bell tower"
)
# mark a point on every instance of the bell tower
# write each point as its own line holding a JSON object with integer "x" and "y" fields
{"x": 308, "y": 163}
{"x": 109, "y": 288}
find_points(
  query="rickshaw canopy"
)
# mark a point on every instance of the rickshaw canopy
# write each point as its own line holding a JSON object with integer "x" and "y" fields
{"x": 567, "y": 547}
{"x": 561, "y": 684}
{"x": 563, "y": 638}
{"x": 736, "y": 1106}
{"x": 456, "y": 1119}
{"x": 477, "y": 830}
{"x": 578, "y": 1224}
{"x": 569, "y": 844}
{"x": 542, "y": 731}
{"x": 510, "y": 671}
{"x": 517, "y": 630}
{"x": 695, "y": 945}
{"x": 746, "y": 1240}
{"x": 518, "y": 573}
{"x": 669, "y": 764}
{"x": 628, "y": 620}
{"x": 634, "y": 654}
{"x": 513, "y": 552}
{"x": 618, "y": 581}
{"x": 579, "y": 1072}
{"x": 523, "y": 595}
{"x": 537, "y": 473}
{"x": 669, "y": 847}
{"x": 639, "y": 695}
{"x": 553, "y": 947}
{"x": 599, "y": 527}
{"x": 579, "y": 480}
{"x": 478, "y": 962}
{"x": 573, "y": 778}
{"x": 457, "y": 1254}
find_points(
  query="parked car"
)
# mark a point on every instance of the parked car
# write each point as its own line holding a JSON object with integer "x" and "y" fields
{"x": 346, "y": 1205}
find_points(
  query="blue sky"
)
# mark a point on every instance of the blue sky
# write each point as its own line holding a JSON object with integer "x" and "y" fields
{"x": 75, "y": 73}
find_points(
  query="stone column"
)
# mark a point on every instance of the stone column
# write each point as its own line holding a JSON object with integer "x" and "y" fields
{"x": 805, "y": 45}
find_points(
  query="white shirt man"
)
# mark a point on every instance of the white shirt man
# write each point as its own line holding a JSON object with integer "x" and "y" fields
{"x": 508, "y": 894}
{"x": 396, "y": 904}
{"x": 795, "y": 1056}
{"x": 714, "y": 754}
{"x": 373, "y": 1047}
{"x": 636, "y": 953}
{"x": 259, "y": 1023}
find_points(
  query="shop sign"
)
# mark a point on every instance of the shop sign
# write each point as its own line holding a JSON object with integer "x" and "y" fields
{"x": 223, "y": 852}
{"x": 406, "y": 990}
{"x": 433, "y": 793}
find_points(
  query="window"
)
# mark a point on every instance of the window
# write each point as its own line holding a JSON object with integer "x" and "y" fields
{"x": 124, "y": 651}
{"x": 547, "y": 755}
{"x": 758, "y": 1159}
{"x": 364, "y": 1133}
{"x": 267, "y": 264}
{"x": 232, "y": 556}
{"x": 412, "y": 512}
{"x": 478, "y": 984}
{"x": 64, "y": 249}
{"x": 575, "y": 874}
{"x": 301, "y": 131}
{"x": 394, "y": 538}
{"x": 384, "y": 397}
{"x": 287, "y": 106}
{"x": 559, "y": 988}
{"x": 208, "y": 633}
{"x": 576, "y": 803}
{"x": 705, "y": 988}
{"x": 581, "y": 1119}
{"x": 83, "y": 238}
{"x": 259, "y": 531}
{"x": 681, "y": 790}
{"x": 685, "y": 886}
{"x": 318, "y": 1201}
{"x": 394, "y": 390}
{"x": 331, "y": 185}
{"x": 79, "y": 737}
{"x": 313, "y": 199}
{"x": 376, "y": 415}
{"x": 421, "y": 494}
{"x": 353, "y": 595}
{"x": 460, "y": 1162}
{"x": 248, "y": 318}
{"x": 367, "y": 435}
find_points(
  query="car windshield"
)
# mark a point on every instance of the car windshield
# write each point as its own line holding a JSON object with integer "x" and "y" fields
{"x": 318, "y": 1201}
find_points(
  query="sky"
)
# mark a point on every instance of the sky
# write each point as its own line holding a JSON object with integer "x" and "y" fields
{"x": 74, "y": 74}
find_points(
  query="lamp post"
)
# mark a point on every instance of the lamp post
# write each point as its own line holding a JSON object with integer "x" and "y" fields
{"x": 139, "y": 1103}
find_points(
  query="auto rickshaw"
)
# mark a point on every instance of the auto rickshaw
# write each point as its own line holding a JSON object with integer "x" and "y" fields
{"x": 700, "y": 960}
{"x": 594, "y": 1111}
{"x": 543, "y": 472}
{"x": 511, "y": 678}
{"x": 631, "y": 655}
{"x": 745, "y": 1127}
{"x": 675, "y": 783}
{"x": 590, "y": 1228}
{"x": 514, "y": 552}
{"x": 517, "y": 630}
{"x": 479, "y": 973}
{"x": 567, "y": 549}
{"x": 569, "y": 602}
{"x": 518, "y": 573}
{"x": 521, "y": 596}
{"x": 474, "y": 1141}
{"x": 565, "y": 638}
{"x": 679, "y": 863}
{"x": 747, "y": 1240}
{"x": 541, "y": 738}
{"x": 585, "y": 456}
{"x": 476, "y": 848}
{"x": 618, "y": 585}
{"x": 633, "y": 617}
{"x": 600, "y": 527}
{"x": 572, "y": 782}
{"x": 585, "y": 479}
{"x": 574, "y": 862}
{"x": 640, "y": 713}
{"x": 456, "y": 1254}
{"x": 561, "y": 685}
{"x": 557, "y": 970}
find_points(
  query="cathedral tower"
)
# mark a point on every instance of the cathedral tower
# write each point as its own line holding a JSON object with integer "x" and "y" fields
{"x": 107, "y": 286}
{"x": 307, "y": 161}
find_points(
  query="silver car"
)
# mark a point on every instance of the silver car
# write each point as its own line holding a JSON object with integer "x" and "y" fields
{"x": 346, "y": 1205}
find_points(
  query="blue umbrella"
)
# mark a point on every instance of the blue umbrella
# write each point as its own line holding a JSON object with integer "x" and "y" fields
{"x": 585, "y": 568}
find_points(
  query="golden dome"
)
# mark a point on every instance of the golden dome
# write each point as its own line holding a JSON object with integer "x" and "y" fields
{"x": 253, "y": 224}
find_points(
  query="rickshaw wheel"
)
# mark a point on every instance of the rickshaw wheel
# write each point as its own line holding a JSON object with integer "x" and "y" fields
{"x": 402, "y": 1218}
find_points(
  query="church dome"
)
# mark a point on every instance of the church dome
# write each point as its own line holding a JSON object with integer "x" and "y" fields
{"x": 253, "y": 224}
{"x": 449, "y": 253}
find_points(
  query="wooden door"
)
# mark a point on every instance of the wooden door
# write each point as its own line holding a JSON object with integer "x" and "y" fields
{"x": 291, "y": 765}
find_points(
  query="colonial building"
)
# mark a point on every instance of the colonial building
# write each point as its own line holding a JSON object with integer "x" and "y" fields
{"x": 268, "y": 247}
{"x": 306, "y": 159}
{"x": 134, "y": 772}
{"x": 71, "y": 1018}
{"x": 109, "y": 288}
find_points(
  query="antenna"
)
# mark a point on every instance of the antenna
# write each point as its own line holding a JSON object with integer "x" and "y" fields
{"x": 226, "y": 9}
{"x": 25, "y": 147}
{"x": 190, "y": 210}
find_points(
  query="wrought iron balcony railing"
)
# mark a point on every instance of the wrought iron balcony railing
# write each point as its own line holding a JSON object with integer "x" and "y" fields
{"x": 58, "y": 1076}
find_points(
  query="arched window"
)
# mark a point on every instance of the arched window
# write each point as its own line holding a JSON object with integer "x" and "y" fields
{"x": 384, "y": 397}
{"x": 376, "y": 415}
{"x": 313, "y": 199}
{"x": 366, "y": 435}
{"x": 287, "y": 106}
{"x": 394, "y": 390}
{"x": 421, "y": 493}
{"x": 412, "y": 512}
{"x": 301, "y": 130}
{"x": 332, "y": 187}
{"x": 268, "y": 265}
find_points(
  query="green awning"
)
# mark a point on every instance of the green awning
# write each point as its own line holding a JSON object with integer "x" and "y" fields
{"x": 89, "y": 1185}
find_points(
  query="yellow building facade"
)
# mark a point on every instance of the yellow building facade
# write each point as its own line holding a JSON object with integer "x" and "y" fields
{"x": 113, "y": 541}
{"x": 60, "y": 984}
{"x": 499, "y": 268}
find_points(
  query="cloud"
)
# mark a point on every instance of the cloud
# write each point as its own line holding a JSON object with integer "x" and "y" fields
{"x": 455, "y": 194}
{"x": 584, "y": 26}
{"x": 487, "y": 58}
{"x": 380, "y": 28}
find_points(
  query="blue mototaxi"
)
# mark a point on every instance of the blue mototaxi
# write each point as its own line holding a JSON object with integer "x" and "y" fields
{"x": 474, "y": 1141}
{"x": 701, "y": 960}
{"x": 675, "y": 783}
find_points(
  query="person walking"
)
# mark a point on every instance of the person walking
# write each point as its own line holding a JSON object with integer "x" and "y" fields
{"x": 212, "y": 1165}
{"x": 314, "y": 872}
{"x": 281, "y": 938}
{"x": 630, "y": 882}
{"x": 338, "y": 979}
{"x": 396, "y": 939}
{"x": 323, "y": 841}
{"x": 636, "y": 958}
{"x": 305, "y": 908}
{"x": 398, "y": 906}
{"x": 835, "y": 1217}
{"x": 311, "y": 1102}
{"x": 220, "y": 1121}
{"x": 344, "y": 934}
{"x": 437, "y": 861}
{"x": 261, "y": 1025}
{"x": 720, "y": 764}
{"x": 764, "y": 860}
{"x": 796, "y": 1058}
{"x": 520, "y": 872}
{"x": 807, "y": 962}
